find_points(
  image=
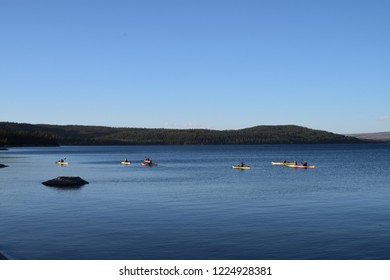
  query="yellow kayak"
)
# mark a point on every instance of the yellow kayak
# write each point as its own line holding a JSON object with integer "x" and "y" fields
{"x": 62, "y": 162}
{"x": 126, "y": 162}
{"x": 241, "y": 167}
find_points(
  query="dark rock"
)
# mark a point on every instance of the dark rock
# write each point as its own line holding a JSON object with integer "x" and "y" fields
{"x": 65, "y": 182}
{"x": 3, "y": 257}
{"x": 3, "y": 165}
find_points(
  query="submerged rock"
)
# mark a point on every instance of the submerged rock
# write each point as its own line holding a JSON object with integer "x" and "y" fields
{"x": 65, "y": 182}
{"x": 3, "y": 165}
{"x": 3, "y": 257}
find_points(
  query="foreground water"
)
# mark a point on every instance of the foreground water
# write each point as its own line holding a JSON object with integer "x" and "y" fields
{"x": 193, "y": 205}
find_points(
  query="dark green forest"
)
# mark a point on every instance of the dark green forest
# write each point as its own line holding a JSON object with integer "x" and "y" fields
{"x": 16, "y": 134}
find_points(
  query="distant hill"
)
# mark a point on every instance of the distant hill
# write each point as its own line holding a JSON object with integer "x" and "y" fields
{"x": 16, "y": 134}
{"x": 378, "y": 136}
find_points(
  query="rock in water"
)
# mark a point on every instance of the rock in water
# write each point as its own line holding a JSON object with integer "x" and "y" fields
{"x": 65, "y": 182}
{"x": 2, "y": 256}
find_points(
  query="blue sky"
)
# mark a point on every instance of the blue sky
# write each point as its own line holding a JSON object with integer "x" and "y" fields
{"x": 197, "y": 64}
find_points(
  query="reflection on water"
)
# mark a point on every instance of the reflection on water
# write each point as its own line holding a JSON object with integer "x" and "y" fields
{"x": 66, "y": 188}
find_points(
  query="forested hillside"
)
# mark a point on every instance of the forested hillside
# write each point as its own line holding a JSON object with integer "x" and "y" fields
{"x": 14, "y": 134}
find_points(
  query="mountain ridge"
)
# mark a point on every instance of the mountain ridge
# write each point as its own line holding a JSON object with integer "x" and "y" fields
{"x": 24, "y": 134}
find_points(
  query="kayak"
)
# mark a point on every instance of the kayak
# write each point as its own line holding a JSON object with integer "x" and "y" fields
{"x": 282, "y": 163}
{"x": 241, "y": 167}
{"x": 126, "y": 162}
{"x": 148, "y": 164}
{"x": 62, "y": 162}
{"x": 299, "y": 166}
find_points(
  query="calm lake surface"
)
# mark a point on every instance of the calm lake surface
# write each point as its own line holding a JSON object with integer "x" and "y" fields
{"x": 193, "y": 205}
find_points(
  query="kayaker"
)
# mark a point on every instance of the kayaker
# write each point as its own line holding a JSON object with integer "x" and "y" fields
{"x": 304, "y": 163}
{"x": 147, "y": 160}
{"x": 242, "y": 164}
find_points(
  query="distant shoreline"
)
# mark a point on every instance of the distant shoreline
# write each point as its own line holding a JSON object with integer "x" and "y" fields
{"x": 16, "y": 134}
{"x": 376, "y": 136}
{"x": 200, "y": 145}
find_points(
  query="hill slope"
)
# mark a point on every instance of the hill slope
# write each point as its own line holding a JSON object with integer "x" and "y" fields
{"x": 15, "y": 134}
{"x": 378, "y": 136}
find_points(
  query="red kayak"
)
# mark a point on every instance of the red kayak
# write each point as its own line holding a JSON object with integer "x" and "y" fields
{"x": 299, "y": 166}
{"x": 148, "y": 164}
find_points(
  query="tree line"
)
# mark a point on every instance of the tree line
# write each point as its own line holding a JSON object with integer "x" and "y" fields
{"x": 13, "y": 134}
{"x": 27, "y": 138}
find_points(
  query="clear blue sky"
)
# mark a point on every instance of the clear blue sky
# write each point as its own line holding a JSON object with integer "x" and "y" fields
{"x": 218, "y": 64}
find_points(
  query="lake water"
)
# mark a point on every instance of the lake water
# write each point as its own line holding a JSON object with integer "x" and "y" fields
{"x": 193, "y": 205}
